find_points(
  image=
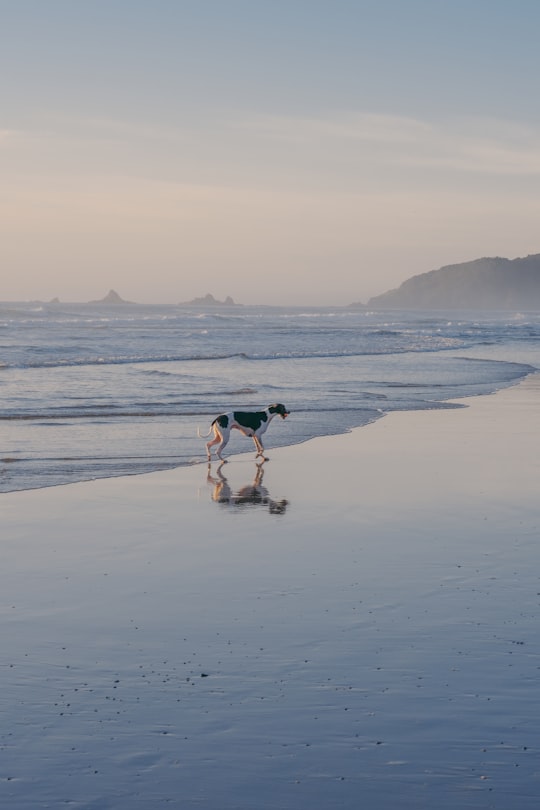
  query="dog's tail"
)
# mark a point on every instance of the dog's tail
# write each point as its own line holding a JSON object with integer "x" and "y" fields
{"x": 204, "y": 435}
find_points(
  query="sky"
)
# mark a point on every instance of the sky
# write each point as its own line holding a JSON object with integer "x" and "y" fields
{"x": 276, "y": 151}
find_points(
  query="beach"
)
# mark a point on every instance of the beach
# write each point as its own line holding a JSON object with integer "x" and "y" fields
{"x": 353, "y": 624}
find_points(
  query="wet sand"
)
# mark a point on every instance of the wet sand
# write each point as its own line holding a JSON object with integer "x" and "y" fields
{"x": 355, "y": 624}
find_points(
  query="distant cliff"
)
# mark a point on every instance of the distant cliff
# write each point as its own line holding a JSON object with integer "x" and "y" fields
{"x": 112, "y": 297}
{"x": 209, "y": 300}
{"x": 490, "y": 283}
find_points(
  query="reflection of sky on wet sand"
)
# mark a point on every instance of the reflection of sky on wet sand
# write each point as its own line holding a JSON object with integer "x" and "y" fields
{"x": 379, "y": 639}
{"x": 254, "y": 493}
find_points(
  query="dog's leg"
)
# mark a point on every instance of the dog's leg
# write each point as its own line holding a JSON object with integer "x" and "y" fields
{"x": 216, "y": 440}
{"x": 260, "y": 448}
{"x": 224, "y": 437}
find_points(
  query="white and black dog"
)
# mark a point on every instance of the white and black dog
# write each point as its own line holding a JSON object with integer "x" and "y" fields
{"x": 250, "y": 423}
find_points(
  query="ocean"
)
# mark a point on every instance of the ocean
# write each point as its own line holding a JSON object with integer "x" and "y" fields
{"x": 92, "y": 391}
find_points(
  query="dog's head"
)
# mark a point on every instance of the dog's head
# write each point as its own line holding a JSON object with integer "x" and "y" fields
{"x": 279, "y": 409}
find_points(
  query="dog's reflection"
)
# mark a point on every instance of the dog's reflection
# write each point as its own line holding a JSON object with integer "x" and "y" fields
{"x": 254, "y": 494}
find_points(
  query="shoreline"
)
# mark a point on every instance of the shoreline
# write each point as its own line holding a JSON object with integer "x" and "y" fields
{"x": 354, "y": 622}
{"x": 448, "y": 404}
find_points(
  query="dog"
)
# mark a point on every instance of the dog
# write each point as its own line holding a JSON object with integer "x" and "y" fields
{"x": 250, "y": 423}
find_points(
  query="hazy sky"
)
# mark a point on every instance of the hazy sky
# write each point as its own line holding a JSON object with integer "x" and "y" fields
{"x": 278, "y": 151}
